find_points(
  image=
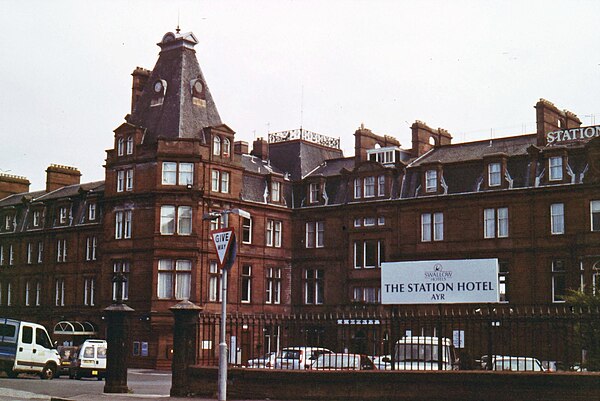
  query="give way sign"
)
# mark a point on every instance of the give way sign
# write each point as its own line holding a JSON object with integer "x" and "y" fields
{"x": 224, "y": 240}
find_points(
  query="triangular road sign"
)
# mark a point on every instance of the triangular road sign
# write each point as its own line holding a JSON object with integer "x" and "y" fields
{"x": 223, "y": 238}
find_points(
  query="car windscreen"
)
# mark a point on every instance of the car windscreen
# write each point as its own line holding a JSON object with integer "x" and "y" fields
{"x": 290, "y": 354}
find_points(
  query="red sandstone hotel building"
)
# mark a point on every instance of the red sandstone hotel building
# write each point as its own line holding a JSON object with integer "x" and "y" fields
{"x": 320, "y": 223}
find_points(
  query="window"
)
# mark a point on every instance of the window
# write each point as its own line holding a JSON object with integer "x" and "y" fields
{"x": 225, "y": 182}
{"x": 61, "y": 250}
{"x": 246, "y": 284}
{"x": 186, "y": 173}
{"x": 129, "y": 149}
{"x": 315, "y": 231}
{"x": 381, "y": 185}
{"x": 273, "y": 233}
{"x": 38, "y": 293}
{"x": 313, "y": 192}
{"x": 368, "y": 253}
{"x": 226, "y": 147}
{"x": 357, "y": 188}
{"x": 369, "y": 221}
{"x": 275, "y": 191}
{"x": 90, "y": 248}
{"x": 167, "y": 220}
{"x": 369, "y": 185}
{"x": 432, "y": 226}
{"x": 174, "y": 279}
{"x": 381, "y": 221}
{"x": 314, "y": 286}
{"x": 503, "y": 281}
{"x": 11, "y": 255}
{"x": 214, "y": 278}
{"x": 557, "y": 218}
{"x": 129, "y": 179}
{"x": 29, "y": 253}
{"x": 431, "y": 181}
{"x": 9, "y": 294}
{"x": 121, "y": 267}
{"x": 215, "y": 180}
{"x": 27, "y": 293}
{"x": 357, "y": 222}
{"x": 595, "y": 215}
{"x": 62, "y": 215}
{"x": 59, "y": 292}
{"x": 495, "y": 223}
{"x": 559, "y": 287}
{"x": 246, "y": 230}
{"x": 89, "y": 289}
{"x": 120, "y": 146}
{"x": 169, "y": 173}
{"x": 120, "y": 180}
{"x": 217, "y": 146}
{"x": 40, "y": 257}
{"x": 92, "y": 212}
{"x": 36, "y": 218}
{"x": 596, "y": 279}
{"x": 273, "y": 286}
{"x": 555, "y": 166}
{"x": 123, "y": 224}
{"x": 494, "y": 171}
{"x": 365, "y": 294}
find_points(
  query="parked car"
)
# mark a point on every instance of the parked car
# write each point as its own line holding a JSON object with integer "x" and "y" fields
{"x": 68, "y": 358}
{"x": 383, "y": 362}
{"x": 342, "y": 362}
{"x": 517, "y": 364}
{"x": 298, "y": 357}
{"x": 91, "y": 361}
{"x": 423, "y": 353}
{"x": 266, "y": 361}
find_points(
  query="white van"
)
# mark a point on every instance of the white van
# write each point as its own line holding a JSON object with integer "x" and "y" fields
{"x": 422, "y": 353}
{"x": 26, "y": 348}
{"x": 91, "y": 361}
{"x": 298, "y": 357}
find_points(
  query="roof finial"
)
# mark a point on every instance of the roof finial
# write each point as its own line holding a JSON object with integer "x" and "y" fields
{"x": 177, "y": 29}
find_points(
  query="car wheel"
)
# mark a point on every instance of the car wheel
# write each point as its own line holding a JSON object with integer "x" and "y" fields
{"x": 48, "y": 372}
{"x": 11, "y": 373}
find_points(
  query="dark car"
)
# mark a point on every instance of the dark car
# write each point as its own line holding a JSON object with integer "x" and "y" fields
{"x": 68, "y": 356}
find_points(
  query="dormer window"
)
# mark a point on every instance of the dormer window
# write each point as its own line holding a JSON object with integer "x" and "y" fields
{"x": 555, "y": 166}
{"x": 120, "y": 146}
{"x": 129, "y": 149}
{"x": 275, "y": 191}
{"x": 35, "y": 219}
{"x": 494, "y": 174}
{"x": 62, "y": 215}
{"x": 92, "y": 212}
{"x": 217, "y": 146}
{"x": 357, "y": 188}
{"x": 381, "y": 185}
{"x": 387, "y": 155}
{"x": 369, "y": 187}
{"x": 313, "y": 192}
{"x": 431, "y": 181}
{"x": 160, "y": 88}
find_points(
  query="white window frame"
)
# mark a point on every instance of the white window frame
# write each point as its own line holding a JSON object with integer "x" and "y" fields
{"x": 494, "y": 174}
{"x": 275, "y": 191}
{"x": 129, "y": 179}
{"x": 381, "y": 185}
{"x": 595, "y": 212}
{"x": 59, "y": 292}
{"x": 90, "y": 248}
{"x": 184, "y": 220}
{"x": 62, "y": 215}
{"x": 225, "y": 180}
{"x": 129, "y": 147}
{"x": 216, "y": 145}
{"x": 38, "y": 293}
{"x": 226, "y": 147}
{"x": 27, "y": 293}
{"x": 246, "y": 284}
{"x": 555, "y": 168}
{"x": 120, "y": 146}
{"x": 92, "y": 211}
{"x": 61, "y": 250}
{"x": 214, "y": 282}
{"x": 558, "y": 274}
{"x": 557, "y": 218}
{"x": 169, "y": 173}
{"x": 314, "y": 286}
{"x": 11, "y": 255}
{"x": 120, "y": 180}
{"x": 313, "y": 191}
{"x": 36, "y": 218}
{"x": 247, "y": 228}
{"x": 361, "y": 253}
{"x": 121, "y": 266}
{"x": 369, "y": 187}
{"x": 357, "y": 188}
{"x": 215, "y": 179}
{"x": 29, "y": 253}
{"x": 167, "y": 220}
{"x": 273, "y": 286}
{"x": 40, "y": 252}
{"x": 185, "y": 175}
{"x": 431, "y": 183}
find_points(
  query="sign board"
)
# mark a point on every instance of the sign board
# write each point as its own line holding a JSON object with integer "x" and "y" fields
{"x": 573, "y": 134}
{"x": 223, "y": 239}
{"x": 440, "y": 281}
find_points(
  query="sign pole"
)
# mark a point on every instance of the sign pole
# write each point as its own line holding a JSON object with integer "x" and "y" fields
{"x": 223, "y": 343}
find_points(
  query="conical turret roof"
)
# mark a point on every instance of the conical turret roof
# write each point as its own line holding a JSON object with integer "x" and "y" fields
{"x": 175, "y": 102}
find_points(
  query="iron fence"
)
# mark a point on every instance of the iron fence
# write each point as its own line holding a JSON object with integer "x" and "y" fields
{"x": 493, "y": 338}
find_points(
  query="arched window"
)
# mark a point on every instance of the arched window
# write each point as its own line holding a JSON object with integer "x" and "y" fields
{"x": 226, "y": 147}
{"x": 129, "y": 145}
{"x": 217, "y": 146}
{"x": 120, "y": 145}
{"x": 432, "y": 141}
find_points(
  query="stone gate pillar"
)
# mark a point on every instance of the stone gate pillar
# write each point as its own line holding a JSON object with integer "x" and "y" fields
{"x": 185, "y": 345}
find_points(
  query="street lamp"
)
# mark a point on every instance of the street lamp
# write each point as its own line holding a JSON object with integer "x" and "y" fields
{"x": 222, "y": 381}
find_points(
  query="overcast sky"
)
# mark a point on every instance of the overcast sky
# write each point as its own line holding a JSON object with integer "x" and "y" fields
{"x": 475, "y": 68}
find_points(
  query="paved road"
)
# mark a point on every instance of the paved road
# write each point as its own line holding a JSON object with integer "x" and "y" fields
{"x": 145, "y": 385}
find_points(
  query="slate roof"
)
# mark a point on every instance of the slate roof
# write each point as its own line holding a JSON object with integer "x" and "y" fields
{"x": 179, "y": 116}
{"x": 299, "y": 158}
{"x": 257, "y": 165}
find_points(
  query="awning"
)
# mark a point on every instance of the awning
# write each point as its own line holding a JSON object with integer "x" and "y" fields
{"x": 74, "y": 328}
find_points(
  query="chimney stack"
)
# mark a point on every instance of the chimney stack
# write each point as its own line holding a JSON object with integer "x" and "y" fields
{"x": 60, "y": 176}
{"x": 260, "y": 148}
{"x": 140, "y": 77}
{"x": 12, "y": 184}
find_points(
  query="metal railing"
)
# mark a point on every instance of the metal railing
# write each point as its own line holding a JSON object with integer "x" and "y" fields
{"x": 503, "y": 338}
